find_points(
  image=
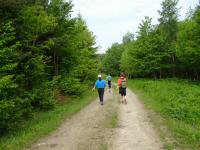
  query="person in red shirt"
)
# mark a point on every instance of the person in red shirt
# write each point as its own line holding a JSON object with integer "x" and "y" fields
{"x": 122, "y": 85}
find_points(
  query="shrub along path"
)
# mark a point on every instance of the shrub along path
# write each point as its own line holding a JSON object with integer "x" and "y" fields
{"x": 111, "y": 126}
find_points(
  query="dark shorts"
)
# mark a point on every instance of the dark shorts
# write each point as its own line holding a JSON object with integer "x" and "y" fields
{"x": 123, "y": 91}
{"x": 109, "y": 84}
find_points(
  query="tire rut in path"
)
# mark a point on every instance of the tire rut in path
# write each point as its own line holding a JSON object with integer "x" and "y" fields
{"x": 135, "y": 131}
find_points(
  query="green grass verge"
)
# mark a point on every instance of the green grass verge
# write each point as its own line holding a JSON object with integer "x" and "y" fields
{"x": 44, "y": 123}
{"x": 178, "y": 104}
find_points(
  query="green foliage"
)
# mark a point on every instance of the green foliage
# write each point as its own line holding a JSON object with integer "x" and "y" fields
{"x": 111, "y": 61}
{"x": 6, "y": 113}
{"x": 175, "y": 100}
{"x": 10, "y": 8}
{"x": 71, "y": 86}
{"x": 168, "y": 49}
{"x": 126, "y": 58}
{"x": 12, "y": 112}
{"x": 36, "y": 21}
{"x": 145, "y": 28}
{"x": 85, "y": 64}
{"x": 43, "y": 123}
{"x": 9, "y": 112}
{"x": 8, "y": 47}
{"x": 187, "y": 50}
{"x": 44, "y": 52}
{"x": 168, "y": 19}
{"x": 128, "y": 37}
{"x": 43, "y": 97}
{"x": 145, "y": 56}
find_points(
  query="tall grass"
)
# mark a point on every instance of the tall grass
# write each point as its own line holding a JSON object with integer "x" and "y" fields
{"x": 178, "y": 102}
{"x": 43, "y": 123}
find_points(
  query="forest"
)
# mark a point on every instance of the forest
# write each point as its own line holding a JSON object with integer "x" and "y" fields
{"x": 169, "y": 49}
{"x": 44, "y": 53}
{"x": 47, "y": 54}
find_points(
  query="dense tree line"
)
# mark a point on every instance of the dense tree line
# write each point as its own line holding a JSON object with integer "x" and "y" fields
{"x": 44, "y": 52}
{"x": 168, "y": 49}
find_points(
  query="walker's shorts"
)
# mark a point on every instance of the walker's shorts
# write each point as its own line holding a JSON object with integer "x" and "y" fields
{"x": 120, "y": 90}
{"x": 123, "y": 91}
{"x": 109, "y": 84}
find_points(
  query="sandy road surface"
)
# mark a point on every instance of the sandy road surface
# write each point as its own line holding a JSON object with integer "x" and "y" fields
{"x": 89, "y": 129}
{"x": 134, "y": 131}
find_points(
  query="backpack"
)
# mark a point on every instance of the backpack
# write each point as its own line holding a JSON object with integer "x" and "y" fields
{"x": 123, "y": 83}
{"x": 109, "y": 78}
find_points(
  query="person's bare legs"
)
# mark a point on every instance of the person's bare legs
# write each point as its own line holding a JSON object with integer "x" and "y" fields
{"x": 125, "y": 100}
{"x": 122, "y": 99}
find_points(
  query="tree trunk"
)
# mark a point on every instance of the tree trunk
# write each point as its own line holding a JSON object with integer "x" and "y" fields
{"x": 160, "y": 74}
{"x": 196, "y": 74}
{"x": 57, "y": 65}
{"x": 174, "y": 66}
{"x": 34, "y": 42}
{"x": 55, "y": 58}
{"x": 186, "y": 74}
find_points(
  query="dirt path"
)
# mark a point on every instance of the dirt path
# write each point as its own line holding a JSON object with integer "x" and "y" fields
{"x": 91, "y": 129}
{"x": 88, "y": 130}
{"x": 134, "y": 129}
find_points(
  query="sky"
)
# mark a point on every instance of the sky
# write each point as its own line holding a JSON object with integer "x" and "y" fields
{"x": 109, "y": 20}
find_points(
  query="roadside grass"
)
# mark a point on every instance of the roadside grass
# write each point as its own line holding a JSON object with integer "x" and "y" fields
{"x": 44, "y": 123}
{"x": 176, "y": 105}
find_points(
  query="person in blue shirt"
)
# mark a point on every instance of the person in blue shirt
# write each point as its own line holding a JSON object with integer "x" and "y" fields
{"x": 109, "y": 79}
{"x": 100, "y": 85}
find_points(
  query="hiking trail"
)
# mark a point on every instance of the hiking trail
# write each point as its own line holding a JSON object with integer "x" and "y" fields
{"x": 91, "y": 128}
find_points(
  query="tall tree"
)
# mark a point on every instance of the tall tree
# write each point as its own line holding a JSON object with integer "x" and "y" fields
{"x": 112, "y": 59}
{"x": 188, "y": 45}
{"x": 84, "y": 66}
{"x": 35, "y": 23}
{"x": 8, "y": 57}
{"x": 64, "y": 30}
{"x": 145, "y": 27}
{"x": 128, "y": 37}
{"x": 43, "y": 51}
{"x": 9, "y": 62}
{"x": 168, "y": 28}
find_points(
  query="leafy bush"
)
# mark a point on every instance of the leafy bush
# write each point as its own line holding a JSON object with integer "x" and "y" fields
{"x": 71, "y": 86}
{"x": 12, "y": 111}
{"x": 43, "y": 97}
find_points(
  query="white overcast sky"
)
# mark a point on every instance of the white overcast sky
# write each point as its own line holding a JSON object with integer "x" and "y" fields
{"x": 109, "y": 20}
